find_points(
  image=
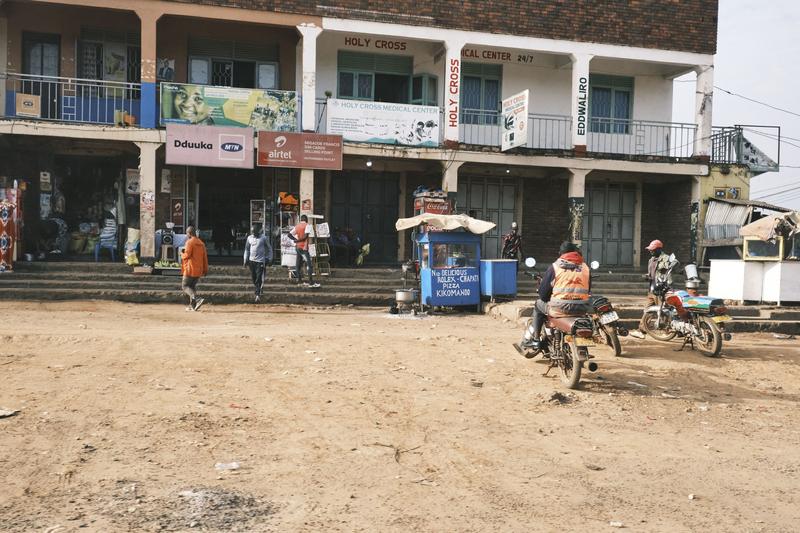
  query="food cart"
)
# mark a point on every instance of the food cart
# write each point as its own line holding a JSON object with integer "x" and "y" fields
{"x": 449, "y": 260}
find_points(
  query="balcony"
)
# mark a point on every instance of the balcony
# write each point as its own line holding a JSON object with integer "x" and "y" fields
{"x": 75, "y": 100}
{"x": 606, "y": 137}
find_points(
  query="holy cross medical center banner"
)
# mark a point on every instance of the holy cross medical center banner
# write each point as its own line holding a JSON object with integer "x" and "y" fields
{"x": 203, "y": 105}
{"x": 382, "y": 122}
{"x": 515, "y": 121}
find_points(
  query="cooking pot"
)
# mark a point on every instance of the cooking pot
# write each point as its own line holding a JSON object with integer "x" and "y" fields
{"x": 406, "y": 296}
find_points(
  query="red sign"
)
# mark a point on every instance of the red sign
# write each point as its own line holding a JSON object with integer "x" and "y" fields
{"x": 177, "y": 211}
{"x": 299, "y": 150}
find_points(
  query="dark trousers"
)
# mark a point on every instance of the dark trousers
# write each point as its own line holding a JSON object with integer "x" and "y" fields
{"x": 301, "y": 255}
{"x": 189, "y": 286}
{"x": 257, "y": 273}
{"x": 539, "y": 315}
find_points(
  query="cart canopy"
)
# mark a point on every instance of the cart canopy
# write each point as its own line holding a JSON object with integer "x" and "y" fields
{"x": 446, "y": 222}
{"x": 769, "y": 227}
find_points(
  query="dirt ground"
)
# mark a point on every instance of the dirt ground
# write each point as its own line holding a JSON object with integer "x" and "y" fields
{"x": 353, "y": 420}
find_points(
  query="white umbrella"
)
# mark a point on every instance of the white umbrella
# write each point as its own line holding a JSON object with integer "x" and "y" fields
{"x": 446, "y": 222}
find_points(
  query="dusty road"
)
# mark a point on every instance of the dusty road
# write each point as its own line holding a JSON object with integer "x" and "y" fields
{"x": 348, "y": 420}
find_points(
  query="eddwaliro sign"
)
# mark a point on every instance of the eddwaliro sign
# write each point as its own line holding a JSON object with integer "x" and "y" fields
{"x": 210, "y": 146}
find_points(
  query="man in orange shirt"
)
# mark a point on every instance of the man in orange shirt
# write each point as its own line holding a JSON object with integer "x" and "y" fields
{"x": 300, "y": 237}
{"x": 194, "y": 265}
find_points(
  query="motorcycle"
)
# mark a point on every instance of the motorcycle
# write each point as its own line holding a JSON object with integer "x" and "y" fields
{"x": 565, "y": 342}
{"x": 698, "y": 319}
{"x": 605, "y": 323}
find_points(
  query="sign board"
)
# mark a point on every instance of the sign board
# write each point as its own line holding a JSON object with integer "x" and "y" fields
{"x": 177, "y": 209}
{"x": 45, "y": 185}
{"x": 454, "y": 286}
{"x": 381, "y": 122}
{"x": 28, "y": 105}
{"x": 209, "y": 146}
{"x": 300, "y": 150}
{"x": 203, "y": 105}
{"x": 132, "y": 181}
{"x": 515, "y": 121}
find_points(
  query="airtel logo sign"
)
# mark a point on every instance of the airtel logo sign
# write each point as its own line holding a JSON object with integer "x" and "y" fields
{"x": 280, "y": 141}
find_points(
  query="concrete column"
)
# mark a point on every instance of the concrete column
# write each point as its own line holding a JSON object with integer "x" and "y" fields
{"x": 452, "y": 92}
{"x": 580, "y": 100}
{"x": 306, "y": 192}
{"x": 695, "y": 223}
{"x": 401, "y": 213}
{"x": 3, "y": 62}
{"x": 149, "y": 22}
{"x": 704, "y": 96}
{"x": 147, "y": 199}
{"x": 577, "y": 192}
{"x": 450, "y": 178}
{"x": 308, "y": 42}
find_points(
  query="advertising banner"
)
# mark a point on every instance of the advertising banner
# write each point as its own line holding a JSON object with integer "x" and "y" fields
{"x": 203, "y": 105}
{"x": 300, "y": 150}
{"x": 454, "y": 286}
{"x": 380, "y": 122}
{"x": 515, "y": 121}
{"x": 28, "y": 105}
{"x": 209, "y": 146}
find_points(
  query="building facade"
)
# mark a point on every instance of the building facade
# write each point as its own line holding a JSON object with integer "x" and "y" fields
{"x": 603, "y": 163}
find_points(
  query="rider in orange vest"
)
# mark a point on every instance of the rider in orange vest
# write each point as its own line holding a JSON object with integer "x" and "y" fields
{"x": 563, "y": 291}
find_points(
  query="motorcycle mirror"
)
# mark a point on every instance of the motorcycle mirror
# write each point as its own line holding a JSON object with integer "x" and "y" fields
{"x": 672, "y": 258}
{"x": 530, "y": 262}
{"x": 595, "y": 265}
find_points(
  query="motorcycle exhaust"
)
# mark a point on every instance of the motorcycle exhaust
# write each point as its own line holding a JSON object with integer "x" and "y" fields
{"x": 622, "y": 331}
{"x": 726, "y": 336}
{"x": 592, "y": 366}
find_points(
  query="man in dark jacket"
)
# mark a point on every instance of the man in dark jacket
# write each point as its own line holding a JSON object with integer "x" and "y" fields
{"x": 565, "y": 303}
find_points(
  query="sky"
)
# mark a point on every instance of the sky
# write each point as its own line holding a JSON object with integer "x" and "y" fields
{"x": 758, "y": 47}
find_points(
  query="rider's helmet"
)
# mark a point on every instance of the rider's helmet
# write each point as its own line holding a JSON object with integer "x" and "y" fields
{"x": 655, "y": 245}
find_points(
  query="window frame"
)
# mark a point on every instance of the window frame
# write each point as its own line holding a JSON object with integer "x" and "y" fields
{"x": 425, "y": 98}
{"x": 612, "y": 124}
{"x": 356, "y": 74}
{"x": 488, "y": 116}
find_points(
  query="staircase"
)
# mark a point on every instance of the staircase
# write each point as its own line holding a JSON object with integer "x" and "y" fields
{"x": 231, "y": 284}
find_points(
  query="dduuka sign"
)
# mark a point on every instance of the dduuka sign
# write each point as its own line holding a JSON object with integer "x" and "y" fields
{"x": 299, "y": 150}
{"x": 210, "y": 146}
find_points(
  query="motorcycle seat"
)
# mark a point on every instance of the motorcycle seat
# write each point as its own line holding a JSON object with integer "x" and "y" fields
{"x": 563, "y": 323}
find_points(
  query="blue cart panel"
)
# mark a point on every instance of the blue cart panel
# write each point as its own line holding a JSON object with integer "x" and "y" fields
{"x": 498, "y": 277}
{"x": 451, "y": 286}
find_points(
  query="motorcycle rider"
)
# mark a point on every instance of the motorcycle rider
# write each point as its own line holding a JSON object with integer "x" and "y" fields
{"x": 512, "y": 245}
{"x": 659, "y": 263}
{"x": 564, "y": 290}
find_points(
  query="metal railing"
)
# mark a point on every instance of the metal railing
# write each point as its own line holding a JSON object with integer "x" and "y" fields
{"x": 545, "y": 132}
{"x": 641, "y": 138}
{"x": 745, "y": 145}
{"x": 71, "y": 99}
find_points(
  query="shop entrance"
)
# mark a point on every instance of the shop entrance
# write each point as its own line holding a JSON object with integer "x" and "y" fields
{"x": 492, "y": 199}
{"x": 223, "y": 214}
{"x": 366, "y": 203}
{"x": 608, "y": 223}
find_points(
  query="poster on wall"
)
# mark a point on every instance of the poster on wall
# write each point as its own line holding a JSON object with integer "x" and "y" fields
{"x": 115, "y": 67}
{"x": 299, "y": 150}
{"x": 28, "y": 105}
{"x": 210, "y": 146}
{"x": 166, "y": 180}
{"x": 165, "y": 69}
{"x": 260, "y": 109}
{"x": 386, "y": 123}
{"x": 132, "y": 181}
{"x": 515, "y": 121}
{"x": 177, "y": 211}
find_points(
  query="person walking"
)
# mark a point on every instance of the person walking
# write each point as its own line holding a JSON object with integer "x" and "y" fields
{"x": 257, "y": 254}
{"x": 512, "y": 245}
{"x": 194, "y": 265}
{"x": 300, "y": 236}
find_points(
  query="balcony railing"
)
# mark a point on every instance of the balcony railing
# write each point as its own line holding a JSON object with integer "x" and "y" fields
{"x": 71, "y": 99}
{"x": 545, "y": 132}
{"x": 641, "y": 138}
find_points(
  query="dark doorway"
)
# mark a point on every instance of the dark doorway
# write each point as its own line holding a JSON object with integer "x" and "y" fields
{"x": 41, "y": 58}
{"x": 367, "y": 203}
{"x": 608, "y": 223}
{"x": 392, "y": 88}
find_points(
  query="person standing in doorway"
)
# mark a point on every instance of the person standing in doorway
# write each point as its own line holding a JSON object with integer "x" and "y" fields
{"x": 194, "y": 265}
{"x": 300, "y": 236}
{"x": 257, "y": 254}
{"x": 512, "y": 245}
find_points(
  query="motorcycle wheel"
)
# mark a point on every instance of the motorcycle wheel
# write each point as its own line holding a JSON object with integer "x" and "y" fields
{"x": 711, "y": 343}
{"x": 650, "y": 326}
{"x": 570, "y": 366}
{"x": 612, "y": 340}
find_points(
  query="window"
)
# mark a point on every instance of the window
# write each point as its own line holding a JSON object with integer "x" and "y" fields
{"x": 423, "y": 90}
{"x": 111, "y": 56}
{"x": 233, "y": 64}
{"x": 480, "y": 93}
{"x": 610, "y": 103}
{"x": 375, "y": 77}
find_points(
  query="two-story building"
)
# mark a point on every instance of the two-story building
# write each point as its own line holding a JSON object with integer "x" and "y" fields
{"x": 414, "y": 88}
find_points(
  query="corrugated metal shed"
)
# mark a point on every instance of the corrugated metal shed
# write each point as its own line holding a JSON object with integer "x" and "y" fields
{"x": 723, "y": 220}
